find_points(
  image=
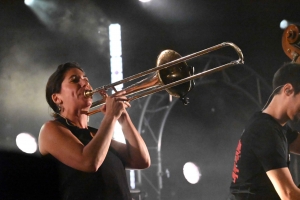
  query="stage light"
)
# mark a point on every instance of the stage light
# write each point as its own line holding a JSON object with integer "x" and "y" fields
{"x": 191, "y": 172}
{"x": 116, "y": 68}
{"x": 144, "y": 1}
{"x": 132, "y": 179}
{"x": 115, "y": 46}
{"x": 26, "y": 143}
{"x": 116, "y": 71}
{"x": 28, "y": 2}
{"x": 283, "y": 24}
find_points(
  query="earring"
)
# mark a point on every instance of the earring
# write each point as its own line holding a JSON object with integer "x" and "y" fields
{"x": 58, "y": 107}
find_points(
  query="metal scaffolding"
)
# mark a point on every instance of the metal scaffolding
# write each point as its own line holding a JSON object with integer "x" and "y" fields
{"x": 155, "y": 109}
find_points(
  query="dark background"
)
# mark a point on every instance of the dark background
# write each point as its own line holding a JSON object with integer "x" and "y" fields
{"x": 35, "y": 41}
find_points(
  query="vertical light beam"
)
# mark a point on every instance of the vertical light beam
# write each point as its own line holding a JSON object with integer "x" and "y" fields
{"x": 116, "y": 69}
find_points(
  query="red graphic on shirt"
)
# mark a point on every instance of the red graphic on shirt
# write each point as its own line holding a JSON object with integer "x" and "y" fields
{"x": 235, "y": 171}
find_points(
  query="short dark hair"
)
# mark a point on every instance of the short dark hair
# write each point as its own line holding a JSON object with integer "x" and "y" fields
{"x": 54, "y": 83}
{"x": 287, "y": 73}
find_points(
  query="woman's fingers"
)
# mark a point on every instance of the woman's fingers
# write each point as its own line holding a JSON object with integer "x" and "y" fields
{"x": 127, "y": 104}
{"x": 115, "y": 104}
{"x": 120, "y": 96}
{"x": 103, "y": 109}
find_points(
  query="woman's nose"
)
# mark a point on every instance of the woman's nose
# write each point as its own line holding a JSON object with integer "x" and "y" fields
{"x": 84, "y": 82}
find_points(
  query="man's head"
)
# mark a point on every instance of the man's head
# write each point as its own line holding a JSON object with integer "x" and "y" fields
{"x": 286, "y": 84}
{"x": 288, "y": 73}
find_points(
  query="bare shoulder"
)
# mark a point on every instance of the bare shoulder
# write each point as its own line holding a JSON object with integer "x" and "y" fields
{"x": 50, "y": 133}
{"x": 51, "y": 127}
{"x": 51, "y": 123}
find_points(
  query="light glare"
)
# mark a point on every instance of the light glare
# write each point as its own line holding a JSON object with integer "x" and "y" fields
{"x": 132, "y": 179}
{"x": 283, "y": 24}
{"x": 28, "y": 2}
{"x": 191, "y": 172}
{"x": 26, "y": 143}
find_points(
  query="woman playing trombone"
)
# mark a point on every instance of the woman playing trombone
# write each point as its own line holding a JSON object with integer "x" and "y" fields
{"x": 92, "y": 163}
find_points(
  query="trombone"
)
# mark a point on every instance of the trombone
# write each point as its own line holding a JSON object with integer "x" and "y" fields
{"x": 171, "y": 74}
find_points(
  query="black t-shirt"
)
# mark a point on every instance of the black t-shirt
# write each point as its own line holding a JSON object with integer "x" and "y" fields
{"x": 109, "y": 182}
{"x": 263, "y": 146}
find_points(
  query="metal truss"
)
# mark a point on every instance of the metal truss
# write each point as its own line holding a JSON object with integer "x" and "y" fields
{"x": 155, "y": 109}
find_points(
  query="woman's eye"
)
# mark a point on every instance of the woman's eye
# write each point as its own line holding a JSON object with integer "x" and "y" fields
{"x": 75, "y": 79}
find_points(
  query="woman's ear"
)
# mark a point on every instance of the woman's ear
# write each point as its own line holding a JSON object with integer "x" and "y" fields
{"x": 56, "y": 99}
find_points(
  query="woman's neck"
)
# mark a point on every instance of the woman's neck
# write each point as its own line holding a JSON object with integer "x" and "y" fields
{"x": 78, "y": 119}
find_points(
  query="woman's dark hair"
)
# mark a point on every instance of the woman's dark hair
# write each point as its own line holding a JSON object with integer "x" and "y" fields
{"x": 288, "y": 73}
{"x": 54, "y": 83}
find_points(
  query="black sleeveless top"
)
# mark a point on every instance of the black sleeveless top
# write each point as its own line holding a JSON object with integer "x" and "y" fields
{"x": 108, "y": 183}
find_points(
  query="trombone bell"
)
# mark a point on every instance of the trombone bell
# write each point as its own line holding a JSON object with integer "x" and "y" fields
{"x": 166, "y": 76}
{"x": 174, "y": 73}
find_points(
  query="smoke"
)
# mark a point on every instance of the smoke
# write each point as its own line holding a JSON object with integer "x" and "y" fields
{"x": 81, "y": 20}
{"x": 30, "y": 53}
{"x": 23, "y": 81}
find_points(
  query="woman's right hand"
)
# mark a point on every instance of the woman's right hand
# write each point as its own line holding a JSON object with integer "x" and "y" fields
{"x": 115, "y": 104}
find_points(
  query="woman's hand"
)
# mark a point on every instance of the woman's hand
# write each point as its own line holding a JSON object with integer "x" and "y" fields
{"x": 115, "y": 105}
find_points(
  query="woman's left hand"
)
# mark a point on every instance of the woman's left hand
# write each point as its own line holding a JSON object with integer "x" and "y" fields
{"x": 119, "y": 96}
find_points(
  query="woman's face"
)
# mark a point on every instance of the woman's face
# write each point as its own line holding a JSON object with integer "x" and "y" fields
{"x": 72, "y": 91}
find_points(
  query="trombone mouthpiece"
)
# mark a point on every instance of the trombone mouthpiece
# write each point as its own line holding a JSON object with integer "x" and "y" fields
{"x": 88, "y": 93}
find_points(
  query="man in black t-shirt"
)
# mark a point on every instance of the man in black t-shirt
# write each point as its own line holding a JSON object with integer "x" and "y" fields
{"x": 261, "y": 161}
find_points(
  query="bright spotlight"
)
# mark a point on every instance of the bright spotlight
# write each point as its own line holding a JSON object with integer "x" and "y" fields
{"x": 191, "y": 172}
{"x": 28, "y": 2}
{"x": 283, "y": 24}
{"x": 26, "y": 143}
{"x": 144, "y": 1}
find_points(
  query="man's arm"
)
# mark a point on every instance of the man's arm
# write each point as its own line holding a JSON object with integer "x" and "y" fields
{"x": 283, "y": 183}
{"x": 295, "y": 145}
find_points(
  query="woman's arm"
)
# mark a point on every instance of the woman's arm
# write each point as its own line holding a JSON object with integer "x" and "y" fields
{"x": 134, "y": 152}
